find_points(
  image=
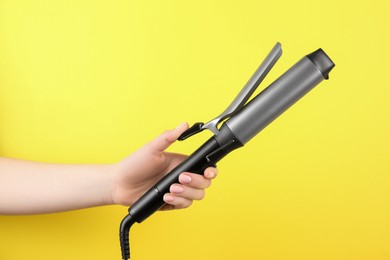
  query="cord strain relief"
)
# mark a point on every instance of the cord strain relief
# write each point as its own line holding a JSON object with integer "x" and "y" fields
{"x": 125, "y": 244}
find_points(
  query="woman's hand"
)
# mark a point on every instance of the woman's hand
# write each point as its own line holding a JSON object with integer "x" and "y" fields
{"x": 146, "y": 166}
{"x": 28, "y": 187}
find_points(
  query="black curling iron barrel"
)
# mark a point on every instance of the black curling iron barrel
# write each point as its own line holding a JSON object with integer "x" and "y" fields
{"x": 241, "y": 123}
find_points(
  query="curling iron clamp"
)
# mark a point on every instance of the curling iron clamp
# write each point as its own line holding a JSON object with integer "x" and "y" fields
{"x": 241, "y": 121}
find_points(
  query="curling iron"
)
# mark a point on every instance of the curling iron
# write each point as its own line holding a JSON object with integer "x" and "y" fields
{"x": 240, "y": 123}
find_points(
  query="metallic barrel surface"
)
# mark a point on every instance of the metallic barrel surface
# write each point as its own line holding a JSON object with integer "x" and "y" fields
{"x": 274, "y": 100}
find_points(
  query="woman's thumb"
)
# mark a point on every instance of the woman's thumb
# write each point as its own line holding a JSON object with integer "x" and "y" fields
{"x": 164, "y": 140}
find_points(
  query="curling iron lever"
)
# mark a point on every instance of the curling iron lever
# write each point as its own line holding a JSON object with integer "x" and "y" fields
{"x": 242, "y": 96}
{"x": 242, "y": 121}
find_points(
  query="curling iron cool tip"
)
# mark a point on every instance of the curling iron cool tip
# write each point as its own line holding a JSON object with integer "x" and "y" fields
{"x": 242, "y": 123}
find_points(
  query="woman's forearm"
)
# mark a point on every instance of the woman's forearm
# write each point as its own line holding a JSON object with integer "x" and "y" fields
{"x": 34, "y": 188}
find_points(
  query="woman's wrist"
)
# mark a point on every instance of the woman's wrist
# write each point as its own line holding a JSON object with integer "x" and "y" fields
{"x": 110, "y": 172}
{"x": 118, "y": 195}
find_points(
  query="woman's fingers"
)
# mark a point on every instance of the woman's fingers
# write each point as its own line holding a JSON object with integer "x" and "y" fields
{"x": 211, "y": 173}
{"x": 176, "y": 202}
{"x": 187, "y": 192}
{"x": 191, "y": 187}
{"x": 194, "y": 180}
{"x": 182, "y": 196}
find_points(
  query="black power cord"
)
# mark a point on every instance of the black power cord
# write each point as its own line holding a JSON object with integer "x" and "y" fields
{"x": 125, "y": 226}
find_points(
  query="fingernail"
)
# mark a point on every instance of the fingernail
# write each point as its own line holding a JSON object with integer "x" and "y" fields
{"x": 176, "y": 189}
{"x": 181, "y": 125}
{"x": 210, "y": 174}
{"x": 185, "y": 179}
{"x": 168, "y": 198}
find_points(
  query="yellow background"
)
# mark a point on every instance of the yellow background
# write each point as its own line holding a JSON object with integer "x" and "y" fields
{"x": 91, "y": 81}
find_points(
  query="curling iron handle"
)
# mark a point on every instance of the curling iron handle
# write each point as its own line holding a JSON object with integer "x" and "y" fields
{"x": 205, "y": 156}
{"x": 152, "y": 200}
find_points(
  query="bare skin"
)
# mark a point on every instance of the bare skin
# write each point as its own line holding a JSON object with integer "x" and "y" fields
{"x": 35, "y": 188}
